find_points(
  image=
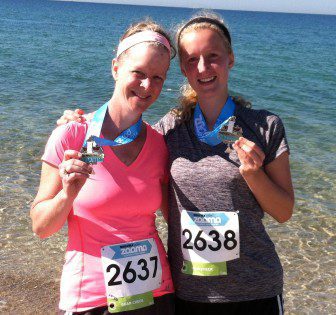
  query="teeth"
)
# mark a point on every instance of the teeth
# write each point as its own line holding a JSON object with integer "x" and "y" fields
{"x": 207, "y": 79}
{"x": 142, "y": 97}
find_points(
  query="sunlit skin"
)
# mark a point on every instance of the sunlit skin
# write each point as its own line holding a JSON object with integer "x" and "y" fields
{"x": 139, "y": 77}
{"x": 206, "y": 62}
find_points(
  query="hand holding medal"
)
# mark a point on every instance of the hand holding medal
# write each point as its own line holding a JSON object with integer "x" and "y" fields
{"x": 73, "y": 172}
{"x": 92, "y": 151}
{"x": 250, "y": 156}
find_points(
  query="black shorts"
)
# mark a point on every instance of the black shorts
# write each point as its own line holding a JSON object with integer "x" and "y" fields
{"x": 270, "y": 306}
{"x": 163, "y": 305}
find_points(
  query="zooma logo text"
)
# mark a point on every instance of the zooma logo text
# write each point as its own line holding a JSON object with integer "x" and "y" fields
{"x": 133, "y": 249}
{"x": 211, "y": 220}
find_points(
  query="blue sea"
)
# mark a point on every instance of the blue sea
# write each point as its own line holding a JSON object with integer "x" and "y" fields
{"x": 57, "y": 55}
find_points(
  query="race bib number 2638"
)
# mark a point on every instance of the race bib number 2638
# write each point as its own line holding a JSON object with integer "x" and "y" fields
{"x": 208, "y": 241}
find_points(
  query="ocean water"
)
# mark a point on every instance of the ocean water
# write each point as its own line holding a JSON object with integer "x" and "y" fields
{"x": 57, "y": 55}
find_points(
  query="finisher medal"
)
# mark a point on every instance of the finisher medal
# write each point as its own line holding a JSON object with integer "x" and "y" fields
{"x": 92, "y": 151}
{"x": 92, "y": 154}
{"x": 229, "y": 133}
{"x": 224, "y": 129}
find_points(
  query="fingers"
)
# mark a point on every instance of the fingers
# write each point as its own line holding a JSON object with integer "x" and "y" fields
{"x": 76, "y": 115}
{"x": 75, "y": 166}
{"x": 251, "y": 149}
{"x": 74, "y": 171}
{"x": 79, "y": 111}
{"x": 71, "y": 164}
{"x": 244, "y": 158}
{"x": 61, "y": 121}
{"x": 68, "y": 112}
{"x": 71, "y": 154}
{"x": 73, "y": 183}
{"x": 72, "y": 177}
{"x": 249, "y": 154}
{"x": 70, "y": 115}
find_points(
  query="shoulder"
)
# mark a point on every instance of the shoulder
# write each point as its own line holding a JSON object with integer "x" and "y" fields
{"x": 167, "y": 123}
{"x": 157, "y": 144}
{"x": 260, "y": 121}
{"x": 260, "y": 117}
{"x": 266, "y": 129}
{"x": 155, "y": 136}
{"x": 65, "y": 137}
{"x": 70, "y": 132}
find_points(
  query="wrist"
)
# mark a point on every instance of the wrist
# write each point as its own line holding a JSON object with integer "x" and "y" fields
{"x": 250, "y": 174}
{"x": 66, "y": 197}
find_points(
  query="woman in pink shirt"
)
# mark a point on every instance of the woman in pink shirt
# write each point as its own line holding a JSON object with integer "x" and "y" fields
{"x": 115, "y": 261}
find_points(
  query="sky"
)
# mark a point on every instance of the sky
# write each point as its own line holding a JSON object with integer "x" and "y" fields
{"x": 293, "y": 6}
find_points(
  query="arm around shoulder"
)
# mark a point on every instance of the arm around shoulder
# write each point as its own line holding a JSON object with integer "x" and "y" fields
{"x": 167, "y": 123}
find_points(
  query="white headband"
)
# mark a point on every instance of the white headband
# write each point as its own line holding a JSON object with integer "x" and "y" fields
{"x": 140, "y": 37}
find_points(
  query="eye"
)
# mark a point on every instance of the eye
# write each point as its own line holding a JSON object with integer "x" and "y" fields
{"x": 138, "y": 73}
{"x": 192, "y": 60}
{"x": 213, "y": 56}
{"x": 157, "y": 78}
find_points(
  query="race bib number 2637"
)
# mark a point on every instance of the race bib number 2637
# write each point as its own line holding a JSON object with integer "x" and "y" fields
{"x": 131, "y": 272}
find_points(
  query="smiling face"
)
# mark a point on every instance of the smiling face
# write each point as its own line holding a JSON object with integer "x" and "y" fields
{"x": 206, "y": 61}
{"x": 140, "y": 75}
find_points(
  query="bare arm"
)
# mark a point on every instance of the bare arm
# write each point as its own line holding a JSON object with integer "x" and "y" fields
{"x": 51, "y": 206}
{"x": 271, "y": 187}
{"x": 55, "y": 196}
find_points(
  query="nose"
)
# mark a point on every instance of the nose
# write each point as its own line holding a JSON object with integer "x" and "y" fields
{"x": 145, "y": 83}
{"x": 201, "y": 66}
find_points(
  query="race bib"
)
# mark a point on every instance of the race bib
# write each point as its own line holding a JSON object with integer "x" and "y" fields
{"x": 208, "y": 241}
{"x": 131, "y": 271}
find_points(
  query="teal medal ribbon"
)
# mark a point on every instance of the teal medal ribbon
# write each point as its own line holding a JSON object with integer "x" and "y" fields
{"x": 201, "y": 129}
{"x": 92, "y": 151}
{"x": 93, "y": 133}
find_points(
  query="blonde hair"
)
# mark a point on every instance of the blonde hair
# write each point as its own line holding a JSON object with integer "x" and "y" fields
{"x": 202, "y": 20}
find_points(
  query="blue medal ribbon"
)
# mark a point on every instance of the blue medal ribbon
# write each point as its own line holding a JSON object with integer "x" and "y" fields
{"x": 93, "y": 133}
{"x": 201, "y": 129}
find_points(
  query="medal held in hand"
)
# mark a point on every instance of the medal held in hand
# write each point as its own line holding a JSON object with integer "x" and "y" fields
{"x": 229, "y": 133}
{"x": 92, "y": 153}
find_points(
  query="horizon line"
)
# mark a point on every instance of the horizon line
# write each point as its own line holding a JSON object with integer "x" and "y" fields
{"x": 195, "y": 7}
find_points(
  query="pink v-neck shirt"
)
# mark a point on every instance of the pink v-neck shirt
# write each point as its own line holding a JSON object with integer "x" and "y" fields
{"x": 117, "y": 204}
